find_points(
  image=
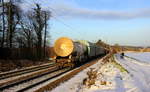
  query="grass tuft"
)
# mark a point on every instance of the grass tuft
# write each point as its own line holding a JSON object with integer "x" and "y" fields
{"x": 117, "y": 65}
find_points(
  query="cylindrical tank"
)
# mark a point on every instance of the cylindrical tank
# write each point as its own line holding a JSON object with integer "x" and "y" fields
{"x": 79, "y": 49}
{"x": 86, "y": 43}
{"x": 92, "y": 49}
{"x": 64, "y": 47}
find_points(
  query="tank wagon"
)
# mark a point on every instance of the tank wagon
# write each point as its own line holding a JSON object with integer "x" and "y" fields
{"x": 71, "y": 53}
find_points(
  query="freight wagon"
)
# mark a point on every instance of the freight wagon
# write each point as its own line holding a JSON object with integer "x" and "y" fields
{"x": 71, "y": 53}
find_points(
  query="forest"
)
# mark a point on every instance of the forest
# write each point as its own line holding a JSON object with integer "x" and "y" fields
{"x": 23, "y": 34}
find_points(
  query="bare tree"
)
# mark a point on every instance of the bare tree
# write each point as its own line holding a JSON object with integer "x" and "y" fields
{"x": 3, "y": 26}
{"x": 13, "y": 18}
{"x": 38, "y": 22}
{"x": 27, "y": 30}
{"x": 23, "y": 30}
{"x": 47, "y": 16}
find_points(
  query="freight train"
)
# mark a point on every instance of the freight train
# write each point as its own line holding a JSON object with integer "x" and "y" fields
{"x": 73, "y": 53}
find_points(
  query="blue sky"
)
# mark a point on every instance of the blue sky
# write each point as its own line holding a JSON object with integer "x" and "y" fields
{"x": 126, "y": 22}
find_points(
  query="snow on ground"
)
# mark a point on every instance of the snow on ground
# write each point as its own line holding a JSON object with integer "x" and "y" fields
{"x": 74, "y": 84}
{"x": 140, "y": 56}
{"x": 139, "y": 71}
{"x": 109, "y": 79}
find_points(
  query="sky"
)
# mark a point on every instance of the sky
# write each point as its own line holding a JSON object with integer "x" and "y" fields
{"x": 125, "y": 22}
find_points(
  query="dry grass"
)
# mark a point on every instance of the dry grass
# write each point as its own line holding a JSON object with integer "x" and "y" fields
{"x": 93, "y": 74}
{"x": 90, "y": 80}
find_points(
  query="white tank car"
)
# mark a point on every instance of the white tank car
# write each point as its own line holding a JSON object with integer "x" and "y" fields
{"x": 80, "y": 51}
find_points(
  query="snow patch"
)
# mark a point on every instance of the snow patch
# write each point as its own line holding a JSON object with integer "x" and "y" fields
{"x": 140, "y": 56}
{"x": 109, "y": 79}
{"x": 140, "y": 74}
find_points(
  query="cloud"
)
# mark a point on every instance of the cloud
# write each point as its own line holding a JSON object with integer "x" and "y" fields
{"x": 72, "y": 10}
{"x": 75, "y": 12}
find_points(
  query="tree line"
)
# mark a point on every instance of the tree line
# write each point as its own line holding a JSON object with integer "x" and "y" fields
{"x": 22, "y": 31}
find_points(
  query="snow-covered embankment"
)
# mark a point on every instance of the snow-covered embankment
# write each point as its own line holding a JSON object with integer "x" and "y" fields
{"x": 137, "y": 69}
{"x": 109, "y": 79}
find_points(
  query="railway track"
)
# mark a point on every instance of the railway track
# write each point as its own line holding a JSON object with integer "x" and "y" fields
{"x": 6, "y": 75}
{"x": 12, "y": 80}
{"x": 31, "y": 82}
{"x": 43, "y": 80}
{"x": 58, "y": 80}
